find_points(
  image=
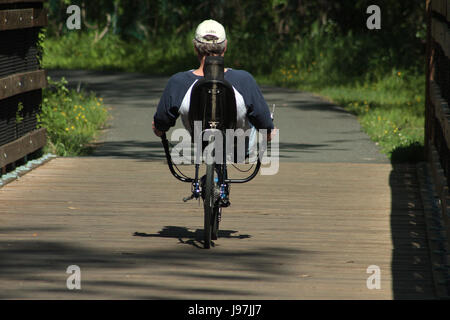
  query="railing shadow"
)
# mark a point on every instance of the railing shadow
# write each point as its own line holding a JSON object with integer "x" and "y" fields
{"x": 411, "y": 266}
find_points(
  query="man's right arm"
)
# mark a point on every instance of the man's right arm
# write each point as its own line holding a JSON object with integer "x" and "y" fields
{"x": 258, "y": 111}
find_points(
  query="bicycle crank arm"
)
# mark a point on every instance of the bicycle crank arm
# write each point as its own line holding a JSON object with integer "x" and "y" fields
{"x": 188, "y": 198}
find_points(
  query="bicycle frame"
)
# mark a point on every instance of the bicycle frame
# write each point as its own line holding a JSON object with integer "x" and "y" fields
{"x": 223, "y": 178}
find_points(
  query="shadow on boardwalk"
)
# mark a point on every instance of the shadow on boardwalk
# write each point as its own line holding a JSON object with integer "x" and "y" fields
{"x": 194, "y": 238}
{"x": 411, "y": 268}
{"x": 31, "y": 262}
{"x": 150, "y": 150}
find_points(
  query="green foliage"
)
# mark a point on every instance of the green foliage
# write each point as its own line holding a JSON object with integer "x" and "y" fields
{"x": 257, "y": 26}
{"x": 72, "y": 118}
{"x": 78, "y": 51}
{"x": 19, "y": 114}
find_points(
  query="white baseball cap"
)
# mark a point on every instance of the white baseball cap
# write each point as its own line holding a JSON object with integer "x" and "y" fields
{"x": 210, "y": 27}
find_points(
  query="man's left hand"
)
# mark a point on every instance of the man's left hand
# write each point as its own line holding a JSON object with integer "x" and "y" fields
{"x": 272, "y": 134}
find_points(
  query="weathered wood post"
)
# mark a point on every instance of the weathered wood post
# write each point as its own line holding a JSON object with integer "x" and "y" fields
{"x": 21, "y": 79}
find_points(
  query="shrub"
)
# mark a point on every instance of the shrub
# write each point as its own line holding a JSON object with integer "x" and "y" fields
{"x": 72, "y": 118}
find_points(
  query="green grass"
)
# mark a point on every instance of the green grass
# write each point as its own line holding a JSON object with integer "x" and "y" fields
{"x": 381, "y": 87}
{"x": 390, "y": 110}
{"x": 72, "y": 119}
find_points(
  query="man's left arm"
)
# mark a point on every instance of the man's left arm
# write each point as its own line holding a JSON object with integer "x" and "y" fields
{"x": 166, "y": 113}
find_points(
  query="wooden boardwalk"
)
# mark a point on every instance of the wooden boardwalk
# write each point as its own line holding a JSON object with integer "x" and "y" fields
{"x": 308, "y": 232}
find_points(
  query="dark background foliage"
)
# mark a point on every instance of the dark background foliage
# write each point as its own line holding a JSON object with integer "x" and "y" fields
{"x": 268, "y": 27}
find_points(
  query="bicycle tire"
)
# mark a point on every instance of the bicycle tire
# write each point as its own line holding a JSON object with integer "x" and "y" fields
{"x": 208, "y": 205}
{"x": 215, "y": 223}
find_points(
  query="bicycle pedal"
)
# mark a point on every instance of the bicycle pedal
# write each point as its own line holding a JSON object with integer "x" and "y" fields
{"x": 224, "y": 203}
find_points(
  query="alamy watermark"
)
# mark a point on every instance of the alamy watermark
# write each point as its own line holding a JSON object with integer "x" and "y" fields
{"x": 74, "y": 280}
{"x": 73, "y": 22}
{"x": 374, "y": 280}
{"x": 235, "y": 145}
{"x": 374, "y": 20}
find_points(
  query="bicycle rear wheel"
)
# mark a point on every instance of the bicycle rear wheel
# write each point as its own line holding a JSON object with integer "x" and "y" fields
{"x": 209, "y": 205}
{"x": 215, "y": 223}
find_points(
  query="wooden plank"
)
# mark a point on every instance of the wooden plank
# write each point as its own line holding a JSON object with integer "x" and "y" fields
{"x": 22, "y": 18}
{"x": 440, "y": 7}
{"x": 437, "y": 6}
{"x": 440, "y": 186}
{"x": 22, "y": 82}
{"x": 441, "y": 34}
{"x": 435, "y": 238}
{"x": 443, "y": 8}
{"x": 433, "y": 5}
{"x": 21, "y": 147}
{"x": 438, "y": 174}
{"x": 440, "y": 182}
{"x": 448, "y": 11}
{"x": 442, "y": 110}
{"x": 429, "y": 67}
{"x": 446, "y": 41}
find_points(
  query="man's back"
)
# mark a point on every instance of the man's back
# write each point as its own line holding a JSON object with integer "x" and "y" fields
{"x": 251, "y": 106}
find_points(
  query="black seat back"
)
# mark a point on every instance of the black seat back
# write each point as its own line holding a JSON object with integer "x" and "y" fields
{"x": 212, "y": 98}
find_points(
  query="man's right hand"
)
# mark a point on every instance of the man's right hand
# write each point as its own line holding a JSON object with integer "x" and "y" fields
{"x": 156, "y": 131}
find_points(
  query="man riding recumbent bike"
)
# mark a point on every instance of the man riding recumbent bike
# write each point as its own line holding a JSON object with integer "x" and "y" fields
{"x": 216, "y": 106}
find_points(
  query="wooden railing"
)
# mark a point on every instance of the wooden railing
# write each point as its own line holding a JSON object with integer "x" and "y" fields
{"x": 21, "y": 79}
{"x": 437, "y": 112}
